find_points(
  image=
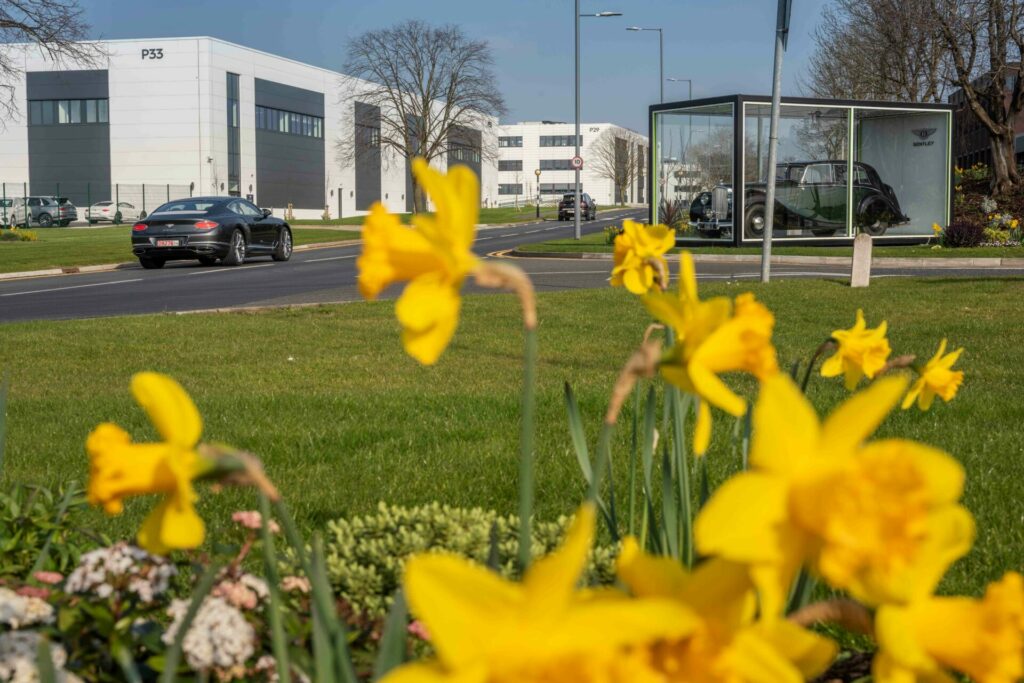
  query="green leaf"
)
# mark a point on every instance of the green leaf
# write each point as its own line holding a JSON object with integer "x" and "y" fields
{"x": 278, "y": 640}
{"x": 3, "y": 418}
{"x": 579, "y": 438}
{"x": 526, "y": 455}
{"x": 44, "y": 662}
{"x": 392, "y": 642}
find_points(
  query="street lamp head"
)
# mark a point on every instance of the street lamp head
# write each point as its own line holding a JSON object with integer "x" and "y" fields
{"x": 537, "y": 173}
{"x": 608, "y": 14}
{"x": 633, "y": 28}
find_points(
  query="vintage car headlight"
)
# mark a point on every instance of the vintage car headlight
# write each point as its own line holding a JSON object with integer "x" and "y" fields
{"x": 705, "y": 198}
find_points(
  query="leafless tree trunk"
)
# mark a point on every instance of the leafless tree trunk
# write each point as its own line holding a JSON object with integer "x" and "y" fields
{"x": 428, "y": 82}
{"x": 54, "y": 27}
{"x": 985, "y": 39}
{"x": 615, "y": 156}
{"x": 879, "y": 50}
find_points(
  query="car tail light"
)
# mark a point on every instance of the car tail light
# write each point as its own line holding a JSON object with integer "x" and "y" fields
{"x": 106, "y": 210}
{"x": 206, "y": 225}
{"x": 139, "y": 227}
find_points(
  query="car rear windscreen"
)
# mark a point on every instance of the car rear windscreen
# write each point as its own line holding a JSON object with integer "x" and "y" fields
{"x": 184, "y": 206}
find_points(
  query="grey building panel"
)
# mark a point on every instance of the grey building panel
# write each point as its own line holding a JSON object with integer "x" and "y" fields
{"x": 466, "y": 140}
{"x": 289, "y": 98}
{"x": 368, "y": 156}
{"x": 73, "y": 160}
{"x": 67, "y": 85}
{"x": 289, "y": 170}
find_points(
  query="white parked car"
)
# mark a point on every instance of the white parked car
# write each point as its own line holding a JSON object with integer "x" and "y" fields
{"x": 123, "y": 212}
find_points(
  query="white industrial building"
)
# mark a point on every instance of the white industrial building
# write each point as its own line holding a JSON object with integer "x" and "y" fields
{"x": 169, "y": 116}
{"x": 615, "y": 162}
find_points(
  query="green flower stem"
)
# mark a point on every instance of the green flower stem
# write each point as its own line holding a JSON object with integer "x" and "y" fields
{"x": 634, "y": 446}
{"x": 825, "y": 346}
{"x": 278, "y": 639}
{"x": 682, "y": 472}
{"x": 526, "y": 454}
{"x": 44, "y": 662}
{"x": 170, "y": 672}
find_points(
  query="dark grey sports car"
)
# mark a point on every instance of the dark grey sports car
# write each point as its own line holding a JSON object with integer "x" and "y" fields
{"x": 211, "y": 229}
{"x": 809, "y": 195}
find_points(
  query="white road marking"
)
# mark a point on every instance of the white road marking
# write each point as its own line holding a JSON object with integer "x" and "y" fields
{"x": 58, "y": 289}
{"x": 330, "y": 258}
{"x": 231, "y": 270}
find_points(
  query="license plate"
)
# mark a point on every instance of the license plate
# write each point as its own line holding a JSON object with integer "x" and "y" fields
{"x": 168, "y": 243}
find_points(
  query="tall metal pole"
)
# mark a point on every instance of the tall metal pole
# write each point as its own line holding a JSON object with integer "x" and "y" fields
{"x": 781, "y": 31}
{"x": 576, "y": 206}
{"x": 661, "y": 67}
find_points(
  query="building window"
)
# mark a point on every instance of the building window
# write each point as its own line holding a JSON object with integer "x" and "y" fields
{"x": 510, "y": 165}
{"x": 280, "y": 121}
{"x": 559, "y": 140}
{"x": 464, "y": 154}
{"x": 559, "y": 188}
{"x": 555, "y": 165}
{"x": 513, "y": 188}
{"x": 66, "y": 112}
{"x": 234, "y": 139}
{"x": 368, "y": 136}
{"x": 510, "y": 141}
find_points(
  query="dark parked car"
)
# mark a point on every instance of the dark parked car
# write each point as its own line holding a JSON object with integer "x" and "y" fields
{"x": 809, "y": 195}
{"x": 587, "y": 204}
{"x": 43, "y": 211}
{"x": 210, "y": 229}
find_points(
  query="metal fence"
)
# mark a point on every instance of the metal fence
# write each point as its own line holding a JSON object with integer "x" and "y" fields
{"x": 132, "y": 200}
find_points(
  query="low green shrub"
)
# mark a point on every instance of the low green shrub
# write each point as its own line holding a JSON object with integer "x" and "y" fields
{"x": 16, "y": 235}
{"x": 963, "y": 234}
{"x": 36, "y": 519}
{"x": 611, "y": 232}
{"x": 365, "y": 554}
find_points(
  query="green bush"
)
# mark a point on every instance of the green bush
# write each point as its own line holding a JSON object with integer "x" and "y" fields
{"x": 34, "y": 519}
{"x": 365, "y": 554}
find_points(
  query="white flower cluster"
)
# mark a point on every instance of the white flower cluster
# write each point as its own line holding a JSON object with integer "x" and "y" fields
{"x": 121, "y": 567}
{"x": 219, "y": 637}
{"x": 18, "y": 652}
{"x": 18, "y": 610}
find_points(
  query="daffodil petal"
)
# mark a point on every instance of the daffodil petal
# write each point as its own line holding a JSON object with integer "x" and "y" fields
{"x": 453, "y": 598}
{"x": 428, "y": 311}
{"x": 740, "y": 520}
{"x": 785, "y": 427}
{"x": 859, "y": 416}
{"x": 702, "y": 428}
{"x": 549, "y": 583}
{"x": 391, "y": 253}
{"x": 170, "y": 408}
{"x": 809, "y": 652}
{"x": 647, "y": 575}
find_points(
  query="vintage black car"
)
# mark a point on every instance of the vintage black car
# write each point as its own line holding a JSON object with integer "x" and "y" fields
{"x": 809, "y": 195}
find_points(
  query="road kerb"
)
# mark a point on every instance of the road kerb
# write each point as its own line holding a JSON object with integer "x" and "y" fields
{"x": 881, "y": 261}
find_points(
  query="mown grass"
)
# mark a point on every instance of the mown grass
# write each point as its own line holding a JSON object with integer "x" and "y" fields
{"x": 344, "y": 419}
{"x": 595, "y": 243}
{"x": 68, "y": 247}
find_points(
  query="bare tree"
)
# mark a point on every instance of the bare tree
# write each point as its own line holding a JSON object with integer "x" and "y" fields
{"x": 430, "y": 83}
{"x": 617, "y": 156}
{"x": 985, "y": 39}
{"x": 55, "y": 27}
{"x": 879, "y": 50}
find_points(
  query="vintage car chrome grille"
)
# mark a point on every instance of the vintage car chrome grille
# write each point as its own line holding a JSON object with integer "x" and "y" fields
{"x": 720, "y": 202}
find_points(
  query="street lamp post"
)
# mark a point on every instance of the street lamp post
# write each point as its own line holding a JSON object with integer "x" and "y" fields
{"x": 661, "y": 59}
{"x": 576, "y": 21}
{"x": 689, "y": 84}
{"x": 537, "y": 173}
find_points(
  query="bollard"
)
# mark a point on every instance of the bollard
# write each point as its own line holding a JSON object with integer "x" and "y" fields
{"x": 860, "y": 275}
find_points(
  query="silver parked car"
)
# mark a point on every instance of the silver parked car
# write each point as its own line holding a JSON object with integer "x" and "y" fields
{"x": 43, "y": 211}
{"x": 121, "y": 212}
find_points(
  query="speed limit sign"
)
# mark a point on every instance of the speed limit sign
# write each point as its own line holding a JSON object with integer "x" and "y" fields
{"x": 577, "y": 163}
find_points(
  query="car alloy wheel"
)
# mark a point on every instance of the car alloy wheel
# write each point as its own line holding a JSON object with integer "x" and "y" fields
{"x": 283, "y": 251}
{"x": 45, "y": 220}
{"x": 755, "y": 220}
{"x": 238, "y": 247}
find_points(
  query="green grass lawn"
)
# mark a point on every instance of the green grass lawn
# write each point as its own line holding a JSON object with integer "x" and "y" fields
{"x": 66, "y": 247}
{"x": 344, "y": 419}
{"x": 595, "y": 243}
{"x": 505, "y": 214}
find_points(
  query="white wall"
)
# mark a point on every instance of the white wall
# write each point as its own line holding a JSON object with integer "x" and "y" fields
{"x": 601, "y": 188}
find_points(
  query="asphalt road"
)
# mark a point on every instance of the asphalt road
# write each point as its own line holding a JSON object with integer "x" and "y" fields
{"x": 328, "y": 275}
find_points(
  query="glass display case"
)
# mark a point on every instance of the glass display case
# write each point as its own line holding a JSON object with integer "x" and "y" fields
{"x": 842, "y": 168}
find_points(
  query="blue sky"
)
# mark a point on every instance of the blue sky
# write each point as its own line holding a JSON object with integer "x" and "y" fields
{"x": 725, "y": 46}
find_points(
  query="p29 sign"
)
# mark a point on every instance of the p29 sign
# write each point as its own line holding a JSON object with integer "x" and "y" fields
{"x": 152, "y": 53}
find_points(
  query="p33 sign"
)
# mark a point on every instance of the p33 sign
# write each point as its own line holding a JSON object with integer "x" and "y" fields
{"x": 152, "y": 53}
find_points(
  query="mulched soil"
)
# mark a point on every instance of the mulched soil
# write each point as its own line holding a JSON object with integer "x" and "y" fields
{"x": 973, "y": 192}
{"x": 849, "y": 667}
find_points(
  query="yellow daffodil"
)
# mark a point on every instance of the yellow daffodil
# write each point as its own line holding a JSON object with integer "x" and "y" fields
{"x": 727, "y": 645}
{"x": 120, "y": 468}
{"x": 489, "y": 630}
{"x": 640, "y": 256}
{"x": 433, "y": 256}
{"x": 879, "y": 520}
{"x": 937, "y": 379}
{"x": 860, "y": 352}
{"x": 981, "y": 639}
{"x": 1014, "y": 223}
{"x": 712, "y": 337}
{"x": 936, "y": 228}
